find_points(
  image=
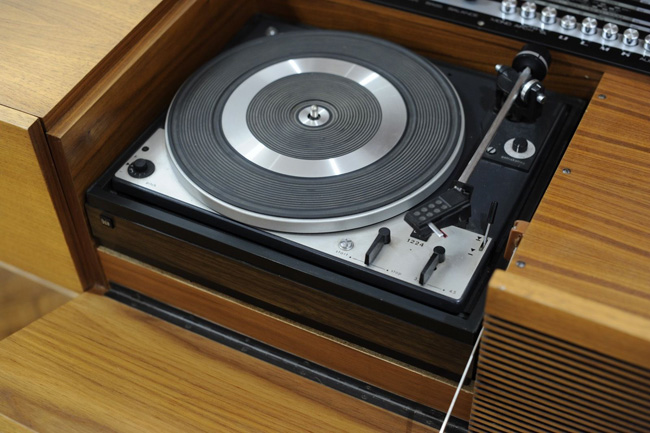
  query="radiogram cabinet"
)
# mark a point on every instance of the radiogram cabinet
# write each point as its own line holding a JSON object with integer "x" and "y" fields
{"x": 567, "y": 340}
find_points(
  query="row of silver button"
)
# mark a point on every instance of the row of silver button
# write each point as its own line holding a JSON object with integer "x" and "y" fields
{"x": 589, "y": 25}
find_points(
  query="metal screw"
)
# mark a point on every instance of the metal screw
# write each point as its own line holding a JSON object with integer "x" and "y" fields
{"x": 566, "y": 170}
{"x": 481, "y": 23}
{"x": 521, "y": 264}
{"x": 271, "y": 31}
{"x": 491, "y": 150}
{"x": 601, "y": 96}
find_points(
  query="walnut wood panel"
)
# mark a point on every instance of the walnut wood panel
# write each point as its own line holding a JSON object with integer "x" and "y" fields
{"x": 125, "y": 371}
{"x": 32, "y": 238}
{"x": 271, "y": 290}
{"x": 128, "y": 97}
{"x": 49, "y": 50}
{"x": 557, "y": 361}
{"x": 590, "y": 235}
{"x": 307, "y": 343}
{"x": 116, "y": 105}
{"x": 437, "y": 39}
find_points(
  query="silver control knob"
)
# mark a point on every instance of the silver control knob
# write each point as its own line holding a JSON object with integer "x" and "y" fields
{"x": 508, "y": 6}
{"x": 549, "y": 15}
{"x": 528, "y": 10}
{"x": 589, "y": 26}
{"x": 568, "y": 22}
{"x": 631, "y": 37}
{"x": 610, "y": 32}
{"x": 346, "y": 244}
{"x": 646, "y": 43}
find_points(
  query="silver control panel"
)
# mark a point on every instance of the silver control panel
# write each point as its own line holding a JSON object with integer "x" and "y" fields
{"x": 567, "y": 21}
{"x": 403, "y": 258}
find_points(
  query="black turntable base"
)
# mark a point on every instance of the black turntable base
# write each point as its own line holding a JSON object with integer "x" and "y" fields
{"x": 297, "y": 155}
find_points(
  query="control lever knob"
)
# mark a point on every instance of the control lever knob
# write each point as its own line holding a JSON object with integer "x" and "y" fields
{"x": 141, "y": 168}
{"x": 646, "y": 44}
{"x": 139, "y": 165}
{"x": 436, "y": 258}
{"x": 520, "y": 145}
{"x": 528, "y": 10}
{"x": 589, "y": 26}
{"x": 610, "y": 32}
{"x": 508, "y": 6}
{"x": 631, "y": 37}
{"x": 382, "y": 238}
{"x": 549, "y": 15}
{"x": 568, "y": 22}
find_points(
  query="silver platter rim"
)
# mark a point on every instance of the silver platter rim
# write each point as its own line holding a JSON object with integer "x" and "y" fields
{"x": 239, "y": 136}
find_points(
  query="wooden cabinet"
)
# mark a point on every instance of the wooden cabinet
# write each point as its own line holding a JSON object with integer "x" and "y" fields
{"x": 82, "y": 80}
{"x": 31, "y": 236}
{"x": 50, "y": 53}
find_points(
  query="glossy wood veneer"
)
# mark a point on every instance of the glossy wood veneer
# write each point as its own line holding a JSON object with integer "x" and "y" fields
{"x": 274, "y": 290}
{"x": 289, "y": 336}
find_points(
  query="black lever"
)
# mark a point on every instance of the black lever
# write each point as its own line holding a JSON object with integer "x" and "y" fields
{"x": 383, "y": 238}
{"x": 490, "y": 220}
{"x": 436, "y": 258}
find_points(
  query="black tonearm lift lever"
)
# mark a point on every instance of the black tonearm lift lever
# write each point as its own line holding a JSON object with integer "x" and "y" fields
{"x": 518, "y": 85}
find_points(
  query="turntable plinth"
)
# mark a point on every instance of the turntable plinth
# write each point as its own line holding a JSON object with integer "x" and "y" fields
{"x": 108, "y": 113}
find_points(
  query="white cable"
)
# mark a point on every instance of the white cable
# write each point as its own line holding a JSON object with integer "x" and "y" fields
{"x": 460, "y": 384}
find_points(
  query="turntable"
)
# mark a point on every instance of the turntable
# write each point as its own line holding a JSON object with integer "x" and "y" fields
{"x": 350, "y": 165}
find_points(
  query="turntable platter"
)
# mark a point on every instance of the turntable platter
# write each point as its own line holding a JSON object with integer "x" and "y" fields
{"x": 315, "y": 131}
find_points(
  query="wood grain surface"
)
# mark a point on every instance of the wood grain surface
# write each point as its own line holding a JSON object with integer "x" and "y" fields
{"x": 116, "y": 107}
{"x": 135, "y": 373}
{"x": 50, "y": 48}
{"x": 315, "y": 304}
{"x": 32, "y": 238}
{"x": 116, "y": 103}
{"x": 10, "y": 426}
{"x": 25, "y": 298}
{"x": 591, "y": 234}
{"x": 568, "y": 316}
{"x": 555, "y": 361}
{"x": 292, "y": 337}
{"x": 436, "y": 39}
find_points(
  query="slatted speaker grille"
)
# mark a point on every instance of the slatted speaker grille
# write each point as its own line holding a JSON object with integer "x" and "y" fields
{"x": 532, "y": 382}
